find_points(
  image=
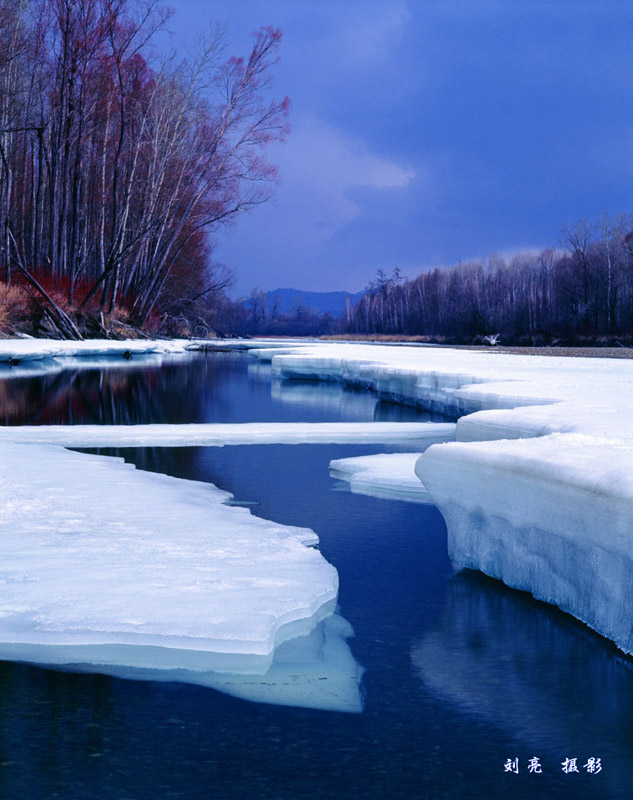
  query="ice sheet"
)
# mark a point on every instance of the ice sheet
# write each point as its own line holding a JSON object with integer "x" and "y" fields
{"x": 34, "y": 349}
{"x": 382, "y": 475}
{"x": 552, "y": 515}
{"x": 551, "y": 509}
{"x": 568, "y": 391}
{"x": 217, "y": 435}
{"x": 102, "y": 563}
{"x": 46, "y": 367}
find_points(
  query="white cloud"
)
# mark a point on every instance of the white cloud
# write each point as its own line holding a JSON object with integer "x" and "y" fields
{"x": 320, "y": 165}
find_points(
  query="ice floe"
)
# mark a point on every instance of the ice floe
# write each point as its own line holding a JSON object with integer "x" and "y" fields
{"x": 103, "y": 564}
{"x": 550, "y": 509}
{"x": 382, "y": 475}
{"x": 217, "y": 435}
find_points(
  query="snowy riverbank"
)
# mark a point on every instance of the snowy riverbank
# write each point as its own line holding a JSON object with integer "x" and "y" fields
{"x": 548, "y": 510}
{"x": 111, "y": 569}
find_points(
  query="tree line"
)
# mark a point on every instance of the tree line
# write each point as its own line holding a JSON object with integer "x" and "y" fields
{"x": 581, "y": 291}
{"x": 115, "y": 169}
{"x": 260, "y": 314}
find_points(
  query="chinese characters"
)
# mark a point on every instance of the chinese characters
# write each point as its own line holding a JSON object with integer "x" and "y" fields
{"x": 592, "y": 766}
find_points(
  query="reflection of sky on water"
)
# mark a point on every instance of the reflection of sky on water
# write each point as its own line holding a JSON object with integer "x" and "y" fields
{"x": 346, "y": 403}
{"x": 324, "y": 397}
{"x": 531, "y": 670}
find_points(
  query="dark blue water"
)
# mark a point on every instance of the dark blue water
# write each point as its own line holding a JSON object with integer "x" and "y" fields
{"x": 461, "y": 672}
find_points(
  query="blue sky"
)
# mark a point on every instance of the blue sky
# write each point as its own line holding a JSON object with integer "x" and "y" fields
{"x": 429, "y": 131}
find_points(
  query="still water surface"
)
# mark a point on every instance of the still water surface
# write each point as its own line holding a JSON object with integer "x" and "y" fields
{"x": 462, "y": 673}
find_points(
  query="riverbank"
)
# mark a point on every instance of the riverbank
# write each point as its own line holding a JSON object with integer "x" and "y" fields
{"x": 549, "y": 512}
{"x": 526, "y": 511}
{"x": 584, "y": 351}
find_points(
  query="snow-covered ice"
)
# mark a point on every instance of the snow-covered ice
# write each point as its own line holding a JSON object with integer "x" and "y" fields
{"x": 382, "y": 475}
{"x": 144, "y": 576}
{"x": 552, "y": 515}
{"x": 217, "y": 435}
{"x": 550, "y": 510}
{"x": 104, "y": 564}
{"x": 12, "y": 350}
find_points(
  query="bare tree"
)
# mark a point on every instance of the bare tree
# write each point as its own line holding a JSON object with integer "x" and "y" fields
{"x": 114, "y": 173}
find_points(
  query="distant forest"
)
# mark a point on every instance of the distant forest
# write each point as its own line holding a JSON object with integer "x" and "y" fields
{"x": 580, "y": 292}
{"x": 115, "y": 168}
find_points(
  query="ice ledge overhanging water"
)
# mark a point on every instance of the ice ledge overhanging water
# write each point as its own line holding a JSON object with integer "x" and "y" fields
{"x": 107, "y": 568}
{"x": 548, "y": 510}
{"x": 513, "y": 397}
{"x": 94, "y": 579}
{"x": 98, "y": 553}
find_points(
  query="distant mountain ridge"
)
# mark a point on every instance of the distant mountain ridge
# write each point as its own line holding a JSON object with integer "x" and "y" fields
{"x": 288, "y": 300}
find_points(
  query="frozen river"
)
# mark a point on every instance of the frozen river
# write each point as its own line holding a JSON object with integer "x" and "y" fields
{"x": 461, "y": 674}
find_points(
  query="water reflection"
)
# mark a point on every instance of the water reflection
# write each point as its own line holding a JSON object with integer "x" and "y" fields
{"x": 321, "y": 397}
{"x": 261, "y": 371}
{"x": 196, "y": 387}
{"x": 92, "y": 736}
{"x": 151, "y": 389}
{"x": 126, "y": 394}
{"x": 347, "y": 403}
{"x": 530, "y": 669}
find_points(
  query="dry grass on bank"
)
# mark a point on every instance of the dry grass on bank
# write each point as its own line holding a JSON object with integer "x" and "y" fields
{"x": 16, "y": 309}
{"x": 23, "y": 311}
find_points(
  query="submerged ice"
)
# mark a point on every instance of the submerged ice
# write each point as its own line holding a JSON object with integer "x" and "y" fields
{"x": 316, "y": 670}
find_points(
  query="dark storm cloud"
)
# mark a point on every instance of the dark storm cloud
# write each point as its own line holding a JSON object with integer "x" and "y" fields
{"x": 426, "y": 132}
